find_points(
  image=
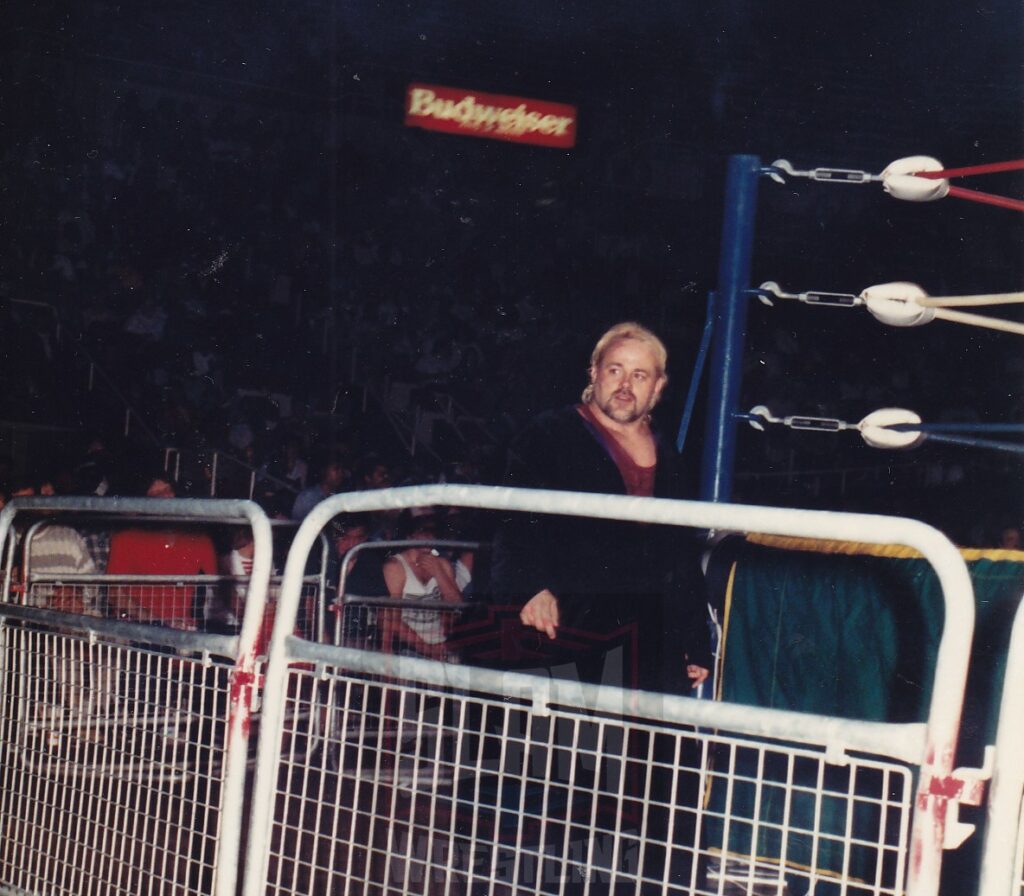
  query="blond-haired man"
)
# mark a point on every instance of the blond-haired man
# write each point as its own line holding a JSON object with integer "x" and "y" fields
{"x": 580, "y": 580}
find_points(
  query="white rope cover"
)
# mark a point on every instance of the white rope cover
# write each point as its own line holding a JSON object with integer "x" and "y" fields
{"x": 899, "y": 180}
{"x": 896, "y": 304}
{"x": 874, "y": 429}
{"x": 902, "y": 304}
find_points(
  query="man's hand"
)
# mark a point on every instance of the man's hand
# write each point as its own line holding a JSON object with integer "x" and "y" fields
{"x": 430, "y": 562}
{"x": 541, "y": 613}
{"x": 696, "y": 674}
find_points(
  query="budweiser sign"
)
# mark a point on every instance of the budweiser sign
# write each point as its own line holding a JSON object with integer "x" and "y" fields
{"x": 513, "y": 118}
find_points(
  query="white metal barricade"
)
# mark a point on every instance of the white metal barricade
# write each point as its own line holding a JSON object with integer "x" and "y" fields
{"x": 1002, "y": 872}
{"x": 369, "y": 621}
{"x": 447, "y": 778}
{"x": 123, "y": 745}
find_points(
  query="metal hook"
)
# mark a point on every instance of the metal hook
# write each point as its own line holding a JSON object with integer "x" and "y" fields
{"x": 762, "y": 412}
{"x": 779, "y": 165}
{"x": 771, "y": 288}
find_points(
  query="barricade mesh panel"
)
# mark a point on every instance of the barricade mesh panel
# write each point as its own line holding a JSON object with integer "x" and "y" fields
{"x": 111, "y": 765}
{"x": 112, "y": 750}
{"x": 356, "y": 626}
{"x": 385, "y": 626}
{"x": 405, "y": 788}
{"x": 214, "y": 606}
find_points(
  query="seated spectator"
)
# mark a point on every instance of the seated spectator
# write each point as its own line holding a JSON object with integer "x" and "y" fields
{"x": 50, "y": 552}
{"x": 22, "y": 488}
{"x": 295, "y": 468}
{"x": 226, "y": 613}
{"x": 331, "y": 477}
{"x": 54, "y": 550}
{"x": 225, "y": 607}
{"x": 362, "y": 574}
{"x": 422, "y": 574}
{"x": 374, "y": 472}
{"x": 92, "y": 475}
{"x": 160, "y": 550}
{"x": 358, "y": 575}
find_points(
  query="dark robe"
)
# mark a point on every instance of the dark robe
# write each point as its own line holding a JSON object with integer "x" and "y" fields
{"x": 633, "y": 585}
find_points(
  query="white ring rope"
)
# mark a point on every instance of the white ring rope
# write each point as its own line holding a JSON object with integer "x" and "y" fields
{"x": 907, "y": 305}
{"x": 902, "y": 304}
{"x": 1003, "y": 298}
{"x": 979, "y": 320}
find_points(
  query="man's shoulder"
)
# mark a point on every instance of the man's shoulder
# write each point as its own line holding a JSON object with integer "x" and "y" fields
{"x": 552, "y": 432}
{"x": 556, "y": 450}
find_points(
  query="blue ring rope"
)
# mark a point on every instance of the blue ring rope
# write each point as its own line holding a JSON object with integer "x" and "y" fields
{"x": 1013, "y": 447}
{"x": 957, "y": 427}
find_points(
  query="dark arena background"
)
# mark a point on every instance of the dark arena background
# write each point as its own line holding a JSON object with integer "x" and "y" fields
{"x": 311, "y": 253}
{"x": 205, "y": 204}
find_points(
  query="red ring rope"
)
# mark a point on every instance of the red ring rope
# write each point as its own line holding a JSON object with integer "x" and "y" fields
{"x": 970, "y": 170}
{"x": 976, "y": 195}
{"x": 987, "y": 198}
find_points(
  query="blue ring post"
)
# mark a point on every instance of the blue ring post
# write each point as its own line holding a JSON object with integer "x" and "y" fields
{"x": 717, "y": 465}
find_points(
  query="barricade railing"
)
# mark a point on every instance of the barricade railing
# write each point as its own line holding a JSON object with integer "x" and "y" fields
{"x": 194, "y": 602}
{"x": 1002, "y": 868}
{"x": 452, "y": 778}
{"x": 124, "y": 740}
{"x": 211, "y": 465}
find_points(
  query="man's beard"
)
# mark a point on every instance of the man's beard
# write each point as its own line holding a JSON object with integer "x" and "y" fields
{"x": 622, "y": 412}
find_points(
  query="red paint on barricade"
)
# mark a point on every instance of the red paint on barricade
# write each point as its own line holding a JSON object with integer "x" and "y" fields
{"x": 947, "y": 788}
{"x": 915, "y": 859}
{"x": 495, "y": 116}
{"x": 968, "y": 791}
{"x": 241, "y": 681}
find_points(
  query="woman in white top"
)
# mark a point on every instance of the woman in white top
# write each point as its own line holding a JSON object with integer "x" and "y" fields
{"x": 419, "y": 573}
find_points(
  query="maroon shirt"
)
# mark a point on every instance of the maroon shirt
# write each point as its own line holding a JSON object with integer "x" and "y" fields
{"x": 639, "y": 481}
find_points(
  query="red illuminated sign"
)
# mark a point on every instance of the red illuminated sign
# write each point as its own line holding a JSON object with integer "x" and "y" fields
{"x": 469, "y": 112}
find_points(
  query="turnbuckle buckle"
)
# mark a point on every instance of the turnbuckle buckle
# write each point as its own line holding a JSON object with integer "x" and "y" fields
{"x": 758, "y": 416}
{"x": 781, "y": 167}
{"x": 770, "y": 289}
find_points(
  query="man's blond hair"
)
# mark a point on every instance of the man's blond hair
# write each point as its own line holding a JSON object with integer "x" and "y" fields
{"x": 620, "y": 332}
